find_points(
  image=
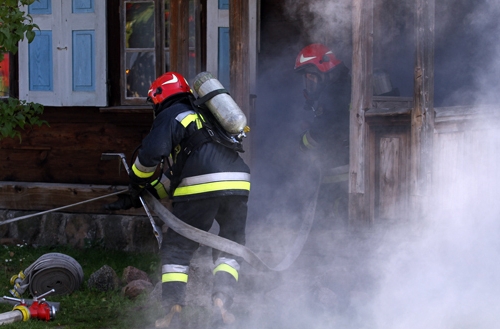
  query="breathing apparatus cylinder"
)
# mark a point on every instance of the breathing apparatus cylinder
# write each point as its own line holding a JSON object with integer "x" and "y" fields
{"x": 221, "y": 105}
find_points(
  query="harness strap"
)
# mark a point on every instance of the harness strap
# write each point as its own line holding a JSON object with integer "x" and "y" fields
{"x": 209, "y": 96}
{"x": 197, "y": 139}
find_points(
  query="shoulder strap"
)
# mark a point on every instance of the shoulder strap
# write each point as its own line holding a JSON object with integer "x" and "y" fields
{"x": 202, "y": 100}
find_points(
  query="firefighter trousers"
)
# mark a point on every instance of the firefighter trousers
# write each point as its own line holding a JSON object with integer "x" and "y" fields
{"x": 176, "y": 252}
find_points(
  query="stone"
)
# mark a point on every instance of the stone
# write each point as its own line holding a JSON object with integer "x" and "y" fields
{"x": 131, "y": 273}
{"x": 137, "y": 287}
{"x": 104, "y": 279}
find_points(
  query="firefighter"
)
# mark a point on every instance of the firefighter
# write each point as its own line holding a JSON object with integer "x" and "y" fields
{"x": 327, "y": 92}
{"x": 205, "y": 181}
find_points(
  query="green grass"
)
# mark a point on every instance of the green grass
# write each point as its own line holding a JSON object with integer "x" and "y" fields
{"x": 84, "y": 308}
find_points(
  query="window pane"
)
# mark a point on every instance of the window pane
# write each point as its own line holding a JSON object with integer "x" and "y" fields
{"x": 140, "y": 69}
{"x": 140, "y": 29}
{"x": 4, "y": 76}
{"x": 139, "y": 47}
{"x": 393, "y": 48}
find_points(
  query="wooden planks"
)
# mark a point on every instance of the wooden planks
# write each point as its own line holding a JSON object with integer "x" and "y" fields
{"x": 44, "y": 196}
{"x": 69, "y": 151}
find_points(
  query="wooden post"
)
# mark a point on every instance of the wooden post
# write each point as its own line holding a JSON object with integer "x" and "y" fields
{"x": 422, "y": 118}
{"x": 361, "y": 100}
{"x": 179, "y": 37}
{"x": 239, "y": 67}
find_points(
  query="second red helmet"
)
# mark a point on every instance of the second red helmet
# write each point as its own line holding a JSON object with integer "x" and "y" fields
{"x": 317, "y": 55}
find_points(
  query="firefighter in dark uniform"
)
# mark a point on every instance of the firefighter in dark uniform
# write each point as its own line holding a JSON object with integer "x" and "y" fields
{"x": 210, "y": 182}
{"x": 327, "y": 92}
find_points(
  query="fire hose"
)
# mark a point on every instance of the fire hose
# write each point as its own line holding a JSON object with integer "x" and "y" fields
{"x": 231, "y": 247}
{"x": 50, "y": 271}
{"x": 215, "y": 241}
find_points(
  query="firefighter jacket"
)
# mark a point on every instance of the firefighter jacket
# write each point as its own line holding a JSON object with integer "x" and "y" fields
{"x": 208, "y": 170}
{"x": 329, "y": 131}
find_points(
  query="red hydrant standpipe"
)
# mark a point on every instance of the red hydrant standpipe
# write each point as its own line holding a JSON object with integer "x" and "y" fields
{"x": 41, "y": 310}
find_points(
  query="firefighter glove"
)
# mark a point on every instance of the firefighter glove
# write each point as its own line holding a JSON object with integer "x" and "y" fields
{"x": 135, "y": 193}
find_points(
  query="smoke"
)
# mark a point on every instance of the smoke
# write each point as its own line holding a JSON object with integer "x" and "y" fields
{"x": 441, "y": 271}
{"x": 466, "y": 55}
{"x": 445, "y": 274}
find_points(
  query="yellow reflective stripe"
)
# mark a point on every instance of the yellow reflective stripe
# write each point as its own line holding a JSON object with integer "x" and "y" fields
{"x": 188, "y": 119}
{"x": 228, "y": 269}
{"x": 199, "y": 124}
{"x": 141, "y": 174}
{"x": 160, "y": 186}
{"x": 308, "y": 141}
{"x": 174, "y": 277}
{"x": 210, "y": 187}
{"x": 161, "y": 190}
{"x": 305, "y": 142}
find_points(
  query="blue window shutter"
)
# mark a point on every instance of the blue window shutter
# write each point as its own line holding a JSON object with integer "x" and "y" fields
{"x": 83, "y": 6}
{"x": 66, "y": 64}
{"x": 83, "y": 61}
{"x": 40, "y": 62}
{"x": 40, "y": 7}
{"x": 223, "y": 59}
{"x": 224, "y": 4}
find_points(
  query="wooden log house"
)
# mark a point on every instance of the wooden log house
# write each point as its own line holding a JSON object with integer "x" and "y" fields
{"x": 399, "y": 144}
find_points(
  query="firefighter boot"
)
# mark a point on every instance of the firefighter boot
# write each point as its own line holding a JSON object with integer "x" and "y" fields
{"x": 172, "y": 320}
{"x": 220, "y": 313}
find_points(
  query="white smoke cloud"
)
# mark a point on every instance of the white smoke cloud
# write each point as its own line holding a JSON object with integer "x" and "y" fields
{"x": 442, "y": 271}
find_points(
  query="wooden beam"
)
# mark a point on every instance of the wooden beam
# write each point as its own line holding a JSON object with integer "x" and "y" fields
{"x": 239, "y": 68}
{"x": 361, "y": 101}
{"x": 422, "y": 119}
{"x": 38, "y": 197}
{"x": 179, "y": 37}
{"x": 45, "y": 196}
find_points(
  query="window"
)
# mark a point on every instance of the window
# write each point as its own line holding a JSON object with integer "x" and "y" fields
{"x": 4, "y": 76}
{"x": 65, "y": 65}
{"x": 145, "y": 46}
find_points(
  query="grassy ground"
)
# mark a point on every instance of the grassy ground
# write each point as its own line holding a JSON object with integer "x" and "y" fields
{"x": 84, "y": 308}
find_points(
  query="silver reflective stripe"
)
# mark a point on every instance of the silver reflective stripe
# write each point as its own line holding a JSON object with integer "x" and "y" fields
{"x": 228, "y": 261}
{"x": 174, "y": 268}
{"x": 215, "y": 177}
{"x": 165, "y": 181}
{"x": 183, "y": 115}
{"x": 143, "y": 168}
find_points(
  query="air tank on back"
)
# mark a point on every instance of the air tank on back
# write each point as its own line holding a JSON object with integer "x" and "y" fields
{"x": 222, "y": 105}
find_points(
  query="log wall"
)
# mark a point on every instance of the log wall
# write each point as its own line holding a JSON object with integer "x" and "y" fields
{"x": 69, "y": 151}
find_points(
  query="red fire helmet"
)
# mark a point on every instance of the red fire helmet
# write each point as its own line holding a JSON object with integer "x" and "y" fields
{"x": 318, "y": 55}
{"x": 167, "y": 85}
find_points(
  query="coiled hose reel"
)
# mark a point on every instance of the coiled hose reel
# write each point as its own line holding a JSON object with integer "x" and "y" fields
{"x": 51, "y": 271}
